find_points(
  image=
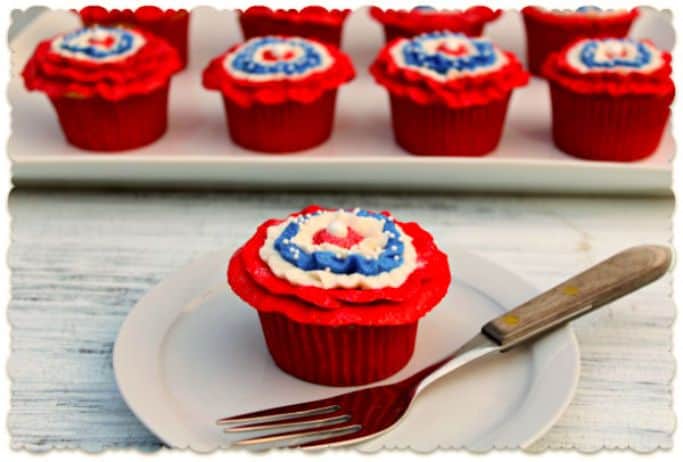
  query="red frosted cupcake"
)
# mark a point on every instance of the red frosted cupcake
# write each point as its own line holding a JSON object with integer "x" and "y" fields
{"x": 610, "y": 98}
{"x": 551, "y": 30}
{"x": 313, "y": 22}
{"x": 339, "y": 292}
{"x": 108, "y": 85}
{"x": 279, "y": 92}
{"x": 449, "y": 93}
{"x": 170, "y": 25}
{"x": 419, "y": 20}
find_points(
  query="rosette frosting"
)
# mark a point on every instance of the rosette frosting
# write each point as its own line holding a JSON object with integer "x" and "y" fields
{"x": 425, "y": 19}
{"x": 448, "y": 68}
{"x": 340, "y": 267}
{"x": 610, "y": 65}
{"x": 585, "y": 16}
{"x": 107, "y": 62}
{"x": 276, "y": 69}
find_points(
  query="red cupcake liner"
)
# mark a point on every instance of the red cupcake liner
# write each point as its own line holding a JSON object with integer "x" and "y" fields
{"x": 408, "y": 23}
{"x": 544, "y": 38}
{"x": 257, "y": 26}
{"x": 392, "y": 32}
{"x": 608, "y": 128}
{"x": 439, "y": 130}
{"x": 170, "y": 25}
{"x": 281, "y": 128}
{"x": 337, "y": 355}
{"x": 97, "y": 124}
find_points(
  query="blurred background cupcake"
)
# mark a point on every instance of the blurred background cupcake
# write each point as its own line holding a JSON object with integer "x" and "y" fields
{"x": 610, "y": 98}
{"x": 551, "y": 30}
{"x": 108, "y": 85}
{"x": 279, "y": 92}
{"x": 421, "y": 19}
{"x": 449, "y": 93}
{"x": 170, "y": 25}
{"x": 314, "y": 22}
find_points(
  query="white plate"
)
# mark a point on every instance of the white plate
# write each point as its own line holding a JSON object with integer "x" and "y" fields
{"x": 191, "y": 352}
{"x": 361, "y": 154}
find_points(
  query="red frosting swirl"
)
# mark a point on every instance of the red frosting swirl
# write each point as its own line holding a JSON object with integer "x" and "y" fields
{"x": 303, "y": 90}
{"x": 657, "y": 82}
{"x": 467, "y": 90}
{"x": 254, "y": 282}
{"x": 146, "y": 70}
{"x": 307, "y": 15}
{"x": 417, "y": 22}
{"x": 579, "y": 20}
{"x": 143, "y": 16}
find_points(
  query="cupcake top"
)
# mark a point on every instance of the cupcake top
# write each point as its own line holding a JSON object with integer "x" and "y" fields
{"x": 447, "y": 67}
{"x": 275, "y": 69}
{"x": 307, "y": 15}
{"x": 144, "y": 15}
{"x": 582, "y": 16}
{"x": 611, "y": 65}
{"x": 107, "y": 62}
{"x": 425, "y": 18}
{"x": 341, "y": 266}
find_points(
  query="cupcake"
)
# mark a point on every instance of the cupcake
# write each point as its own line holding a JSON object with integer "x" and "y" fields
{"x": 449, "y": 93}
{"x": 279, "y": 92}
{"x": 170, "y": 25}
{"x": 610, "y": 98}
{"x": 339, "y": 293}
{"x": 313, "y": 22}
{"x": 551, "y": 30}
{"x": 108, "y": 85}
{"x": 422, "y": 19}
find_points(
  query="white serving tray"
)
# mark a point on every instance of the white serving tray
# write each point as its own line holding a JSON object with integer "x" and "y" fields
{"x": 361, "y": 155}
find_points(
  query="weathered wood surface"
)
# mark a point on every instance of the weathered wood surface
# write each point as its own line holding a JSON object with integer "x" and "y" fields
{"x": 80, "y": 261}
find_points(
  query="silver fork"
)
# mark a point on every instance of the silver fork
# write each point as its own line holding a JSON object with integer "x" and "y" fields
{"x": 366, "y": 413}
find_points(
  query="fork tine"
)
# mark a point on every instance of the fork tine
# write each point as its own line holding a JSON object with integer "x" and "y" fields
{"x": 281, "y": 413}
{"x": 315, "y": 422}
{"x": 327, "y": 432}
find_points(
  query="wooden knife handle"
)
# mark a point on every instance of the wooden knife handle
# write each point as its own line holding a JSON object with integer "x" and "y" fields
{"x": 613, "y": 278}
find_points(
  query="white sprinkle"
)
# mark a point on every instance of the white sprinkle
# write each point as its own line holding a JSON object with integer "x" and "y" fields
{"x": 394, "y": 248}
{"x": 327, "y": 269}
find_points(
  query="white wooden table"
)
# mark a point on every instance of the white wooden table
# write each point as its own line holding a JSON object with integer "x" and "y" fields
{"x": 80, "y": 261}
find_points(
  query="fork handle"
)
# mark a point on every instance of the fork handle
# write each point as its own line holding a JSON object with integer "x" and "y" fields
{"x": 613, "y": 278}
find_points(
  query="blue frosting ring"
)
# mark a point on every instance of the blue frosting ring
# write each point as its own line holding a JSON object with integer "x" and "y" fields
{"x": 350, "y": 264}
{"x": 587, "y": 57}
{"x": 123, "y": 43}
{"x": 243, "y": 60}
{"x": 415, "y": 55}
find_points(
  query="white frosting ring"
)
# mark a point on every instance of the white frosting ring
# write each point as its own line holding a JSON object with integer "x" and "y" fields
{"x": 372, "y": 244}
{"x": 82, "y": 40}
{"x": 605, "y": 46}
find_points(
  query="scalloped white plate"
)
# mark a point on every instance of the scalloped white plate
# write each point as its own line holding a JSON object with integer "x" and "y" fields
{"x": 190, "y": 352}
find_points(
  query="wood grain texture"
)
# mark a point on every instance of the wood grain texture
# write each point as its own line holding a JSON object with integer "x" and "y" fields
{"x": 81, "y": 260}
{"x": 615, "y": 277}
